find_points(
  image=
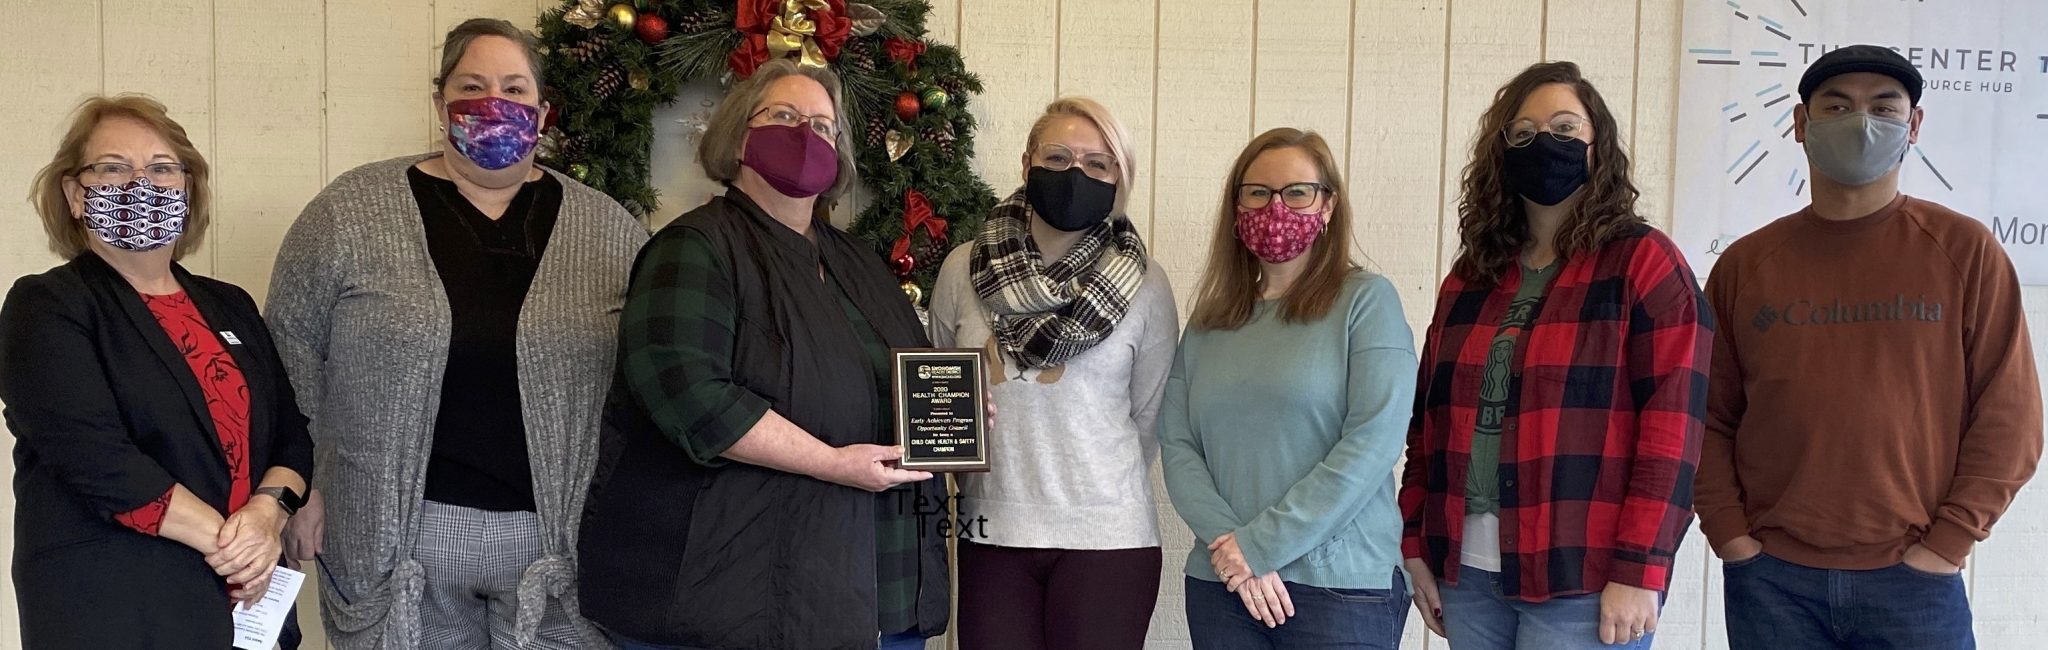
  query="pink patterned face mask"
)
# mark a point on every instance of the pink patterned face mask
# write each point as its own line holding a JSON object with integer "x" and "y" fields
{"x": 1277, "y": 233}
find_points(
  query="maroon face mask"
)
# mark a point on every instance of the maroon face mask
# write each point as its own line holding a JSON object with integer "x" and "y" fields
{"x": 794, "y": 160}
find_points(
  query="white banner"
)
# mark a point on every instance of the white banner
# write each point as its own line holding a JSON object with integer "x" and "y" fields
{"x": 1983, "y": 149}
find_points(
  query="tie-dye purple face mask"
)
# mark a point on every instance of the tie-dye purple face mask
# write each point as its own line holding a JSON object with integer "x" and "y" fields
{"x": 135, "y": 216}
{"x": 493, "y": 132}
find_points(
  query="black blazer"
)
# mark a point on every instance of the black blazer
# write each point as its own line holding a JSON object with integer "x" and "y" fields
{"x": 106, "y": 416}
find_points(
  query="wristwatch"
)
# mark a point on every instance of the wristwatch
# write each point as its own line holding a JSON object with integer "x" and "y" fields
{"x": 286, "y": 497}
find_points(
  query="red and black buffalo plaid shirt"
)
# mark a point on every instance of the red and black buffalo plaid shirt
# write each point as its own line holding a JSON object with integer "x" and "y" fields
{"x": 1603, "y": 428}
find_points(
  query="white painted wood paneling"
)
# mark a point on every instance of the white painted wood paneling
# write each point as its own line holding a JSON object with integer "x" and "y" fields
{"x": 1652, "y": 149}
{"x": 1599, "y": 35}
{"x": 47, "y": 64}
{"x": 1490, "y": 42}
{"x": 942, "y": 25}
{"x": 267, "y": 115}
{"x": 1204, "y": 118}
{"x": 1106, "y": 49}
{"x": 1396, "y": 162}
{"x": 1013, "y": 45}
{"x": 1303, "y": 74}
{"x": 379, "y": 90}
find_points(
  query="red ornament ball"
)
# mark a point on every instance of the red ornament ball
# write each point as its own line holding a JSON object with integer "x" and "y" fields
{"x": 651, "y": 28}
{"x": 908, "y": 106}
{"x": 904, "y": 265}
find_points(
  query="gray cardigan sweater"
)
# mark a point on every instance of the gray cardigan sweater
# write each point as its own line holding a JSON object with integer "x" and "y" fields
{"x": 363, "y": 323}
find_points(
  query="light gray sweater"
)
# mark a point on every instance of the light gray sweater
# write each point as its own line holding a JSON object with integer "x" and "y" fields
{"x": 362, "y": 320}
{"x": 1072, "y": 448}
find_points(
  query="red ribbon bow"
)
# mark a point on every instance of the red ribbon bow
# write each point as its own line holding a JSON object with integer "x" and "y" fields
{"x": 917, "y": 213}
{"x": 904, "y": 51}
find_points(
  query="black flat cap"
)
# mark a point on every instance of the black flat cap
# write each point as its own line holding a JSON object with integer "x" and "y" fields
{"x": 1861, "y": 58}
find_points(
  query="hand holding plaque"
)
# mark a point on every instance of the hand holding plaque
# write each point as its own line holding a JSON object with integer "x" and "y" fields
{"x": 941, "y": 401}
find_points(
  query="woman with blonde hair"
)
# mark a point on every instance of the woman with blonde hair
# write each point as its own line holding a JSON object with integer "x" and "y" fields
{"x": 1563, "y": 390}
{"x": 158, "y": 446}
{"x": 1079, "y": 325}
{"x": 1285, "y": 414}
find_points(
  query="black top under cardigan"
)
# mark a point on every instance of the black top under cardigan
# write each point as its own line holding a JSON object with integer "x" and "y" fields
{"x": 106, "y": 417}
{"x": 732, "y": 555}
{"x": 479, "y": 458}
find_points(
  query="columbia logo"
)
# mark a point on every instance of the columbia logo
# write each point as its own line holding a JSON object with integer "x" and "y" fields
{"x": 1765, "y": 318}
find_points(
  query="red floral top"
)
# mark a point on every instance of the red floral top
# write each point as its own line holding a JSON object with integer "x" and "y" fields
{"x": 227, "y": 401}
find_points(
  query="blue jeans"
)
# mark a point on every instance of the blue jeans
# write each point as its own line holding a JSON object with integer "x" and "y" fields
{"x": 1323, "y": 618}
{"x": 904, "y": 641}
{"x": 1477, "y": 617}
{"x": 1772, "y": 603}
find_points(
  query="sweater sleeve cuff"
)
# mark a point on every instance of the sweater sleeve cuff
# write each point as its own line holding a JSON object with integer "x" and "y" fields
{"x": 1255, "y": 554}
{"x": 1949, "y": 540}
{"x": 1723, "y": 525}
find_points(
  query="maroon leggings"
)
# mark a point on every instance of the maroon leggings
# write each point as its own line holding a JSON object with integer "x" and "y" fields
{"x": 1042, "y": 598}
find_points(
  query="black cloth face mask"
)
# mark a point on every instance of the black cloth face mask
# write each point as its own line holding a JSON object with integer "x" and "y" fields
{"x": 1546, "y": 170}
{"x": 1069, "y": 201}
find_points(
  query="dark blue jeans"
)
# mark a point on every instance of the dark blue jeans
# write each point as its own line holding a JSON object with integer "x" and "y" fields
{"x": 1323, "y": 618}
{"x": 904, "y": 641}
{"x": 1772, "y": 603}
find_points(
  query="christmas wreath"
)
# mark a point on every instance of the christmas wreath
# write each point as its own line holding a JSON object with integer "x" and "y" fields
{"x": 609, "y": 65}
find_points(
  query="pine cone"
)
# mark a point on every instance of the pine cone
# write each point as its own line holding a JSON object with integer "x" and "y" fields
{"x": 574, "y": 148}
{"x": 607, "y": 82}
{"x": 699, "y": 22}
{"x": 877, "y": 132}
{"x": 929, "y": 252}
{"x": 586, "y": 50}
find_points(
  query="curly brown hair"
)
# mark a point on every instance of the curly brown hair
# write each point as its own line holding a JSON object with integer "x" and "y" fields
{"x": 1492, "y": 226}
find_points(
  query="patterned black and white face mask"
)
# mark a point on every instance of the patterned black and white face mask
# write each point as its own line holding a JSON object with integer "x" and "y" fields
{"x": 136, "y": 216}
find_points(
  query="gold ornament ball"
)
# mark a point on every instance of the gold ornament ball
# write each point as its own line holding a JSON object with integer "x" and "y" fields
{"x": 911, "y": 291}
{"x": 623, "y": 15}
{"x": 936, "y": 98}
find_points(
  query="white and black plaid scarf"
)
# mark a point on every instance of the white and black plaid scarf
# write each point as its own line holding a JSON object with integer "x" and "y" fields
{"x": 1047, "y": 313}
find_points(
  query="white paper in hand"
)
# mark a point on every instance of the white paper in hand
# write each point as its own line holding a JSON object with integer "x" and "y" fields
{"x": 257, "y": 627}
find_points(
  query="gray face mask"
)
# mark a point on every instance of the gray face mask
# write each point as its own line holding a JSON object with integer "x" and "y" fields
{"x": 1856, "y": 149}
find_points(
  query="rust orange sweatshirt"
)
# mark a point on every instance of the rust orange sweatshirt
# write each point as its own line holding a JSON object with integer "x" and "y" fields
{"x": 1873, "y": 387}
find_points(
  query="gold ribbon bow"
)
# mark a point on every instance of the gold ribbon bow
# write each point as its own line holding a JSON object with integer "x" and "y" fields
{"x": 585, "y": 14}
{"x": 794, "y": 31}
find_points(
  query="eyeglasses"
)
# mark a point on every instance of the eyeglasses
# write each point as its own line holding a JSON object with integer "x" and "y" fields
{"x": 1098, "y": 165}
{"x": 113, "y": 173}
{"x": 781, "y": 114}
{"x": 1563, "y": 128}
{"x": 1298, "y": 196}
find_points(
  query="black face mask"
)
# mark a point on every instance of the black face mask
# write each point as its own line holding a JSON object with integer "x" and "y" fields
{"x": 1545, "y": 171}
{"x": 1069, "y": 201}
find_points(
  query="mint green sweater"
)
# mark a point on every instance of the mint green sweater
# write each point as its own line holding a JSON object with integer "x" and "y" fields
{"x": 1287, "y": 434}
